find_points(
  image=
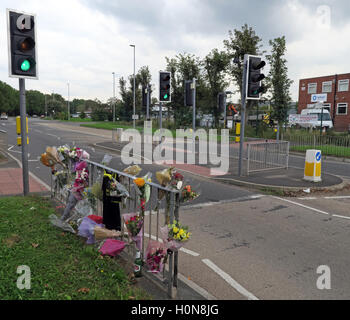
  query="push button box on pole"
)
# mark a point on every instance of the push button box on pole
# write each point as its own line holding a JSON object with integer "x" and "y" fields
{"x": 312, "y": 170}
{"x": 18, "y": 130}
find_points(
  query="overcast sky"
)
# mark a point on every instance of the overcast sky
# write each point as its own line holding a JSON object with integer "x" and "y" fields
{"x": 83, "y": 41}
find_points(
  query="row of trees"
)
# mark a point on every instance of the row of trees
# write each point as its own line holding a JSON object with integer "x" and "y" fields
{"x": 214, "y": 74}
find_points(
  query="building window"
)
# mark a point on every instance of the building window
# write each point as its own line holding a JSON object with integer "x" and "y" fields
{"x": 327, "y": 86}
{"x": 312, "y": 88}
{"x": 342, "y": 108}
{"x": 343, "y": 85}
{"x": 327, "y": 106}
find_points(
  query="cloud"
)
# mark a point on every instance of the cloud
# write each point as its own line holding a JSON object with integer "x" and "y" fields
{"x": 83, "y": 41}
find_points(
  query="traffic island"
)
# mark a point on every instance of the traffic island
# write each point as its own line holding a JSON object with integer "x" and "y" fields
{"x": 284, "y": 181}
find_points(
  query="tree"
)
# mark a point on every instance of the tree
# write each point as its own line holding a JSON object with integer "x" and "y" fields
{"x": 215, "y": 65}
{"x": 278, "y": 81}
{"x": 185, "y": 67}
{"x": 241, "y": 42}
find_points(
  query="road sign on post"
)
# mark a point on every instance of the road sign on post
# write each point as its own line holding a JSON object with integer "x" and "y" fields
{"x": 22, "y": 48}
{"x": 188, "y": 93}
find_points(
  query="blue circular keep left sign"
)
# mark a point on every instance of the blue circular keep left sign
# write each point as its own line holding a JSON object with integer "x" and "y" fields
{"x": 318, "y": 156}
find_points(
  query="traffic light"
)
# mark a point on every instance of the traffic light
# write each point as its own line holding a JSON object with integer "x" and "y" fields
{"x": 188, "y": 93}
{"x": 254, "y": 76}
{"x": 164, "y": 86}
{"x": 221, "y": 102}
{"x": 22, "y": 45}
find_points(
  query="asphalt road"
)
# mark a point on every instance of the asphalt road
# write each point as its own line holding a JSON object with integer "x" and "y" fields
{"x": 252, "y": 247}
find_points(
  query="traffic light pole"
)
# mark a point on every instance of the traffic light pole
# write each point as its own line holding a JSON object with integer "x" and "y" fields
{"x": 194, "y": 105}
{"x": 243, "y": 110}
{"x": 148, "y": 95}
{"x": 160, "y": 115}
{"x": 23, "y": 114}
{"x": 225, "y": 111}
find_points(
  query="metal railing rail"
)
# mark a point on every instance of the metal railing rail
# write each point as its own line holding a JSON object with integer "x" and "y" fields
{"x": 330, "y": 145}
{"x": 168, "y": 207}
{"x": 267, "y": 156}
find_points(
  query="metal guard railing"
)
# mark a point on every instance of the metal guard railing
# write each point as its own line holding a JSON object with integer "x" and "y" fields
{"x": 167, "y": 208}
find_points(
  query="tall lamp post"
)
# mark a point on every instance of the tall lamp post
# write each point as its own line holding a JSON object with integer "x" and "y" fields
{"x": 134, "y": 124}
{"x": 113, "y": 96}
{"x": 68, "y": 106}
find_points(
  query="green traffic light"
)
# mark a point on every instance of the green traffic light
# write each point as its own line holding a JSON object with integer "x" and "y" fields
{"x": 25, "y": 66}
{"x": 166, "y": 96}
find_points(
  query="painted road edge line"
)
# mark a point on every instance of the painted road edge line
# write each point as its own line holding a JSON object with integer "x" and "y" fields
{"x": 302, "y": 205}
{"x": 229, "y": 280}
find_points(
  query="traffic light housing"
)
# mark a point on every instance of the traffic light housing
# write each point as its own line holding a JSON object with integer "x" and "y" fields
{"x": 22, "y": 45}
{"x": 221, "y": 102}
{"x": 254, "y": 87}
{"x": 188, "y": 93}
{"x": 164, "y": 86}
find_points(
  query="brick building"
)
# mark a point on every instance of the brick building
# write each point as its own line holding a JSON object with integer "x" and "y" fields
{"x": 337, "y": 91}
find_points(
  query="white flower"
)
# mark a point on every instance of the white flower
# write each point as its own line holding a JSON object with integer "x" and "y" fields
{"x": 179, "y": 185}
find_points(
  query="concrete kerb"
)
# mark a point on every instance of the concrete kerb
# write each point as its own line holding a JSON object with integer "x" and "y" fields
{"x": 264, "y": 187}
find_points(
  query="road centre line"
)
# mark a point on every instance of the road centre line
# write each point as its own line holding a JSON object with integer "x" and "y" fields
{"x": 338, "y": 197}
{"x": 302, "y": 205}
{"x": 233, "y": 283}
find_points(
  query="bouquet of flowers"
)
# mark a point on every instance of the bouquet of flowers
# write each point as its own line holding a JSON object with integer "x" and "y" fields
{"x": 117, "y": 189}
{"x": 155, "y": 255}
{"x": 132, "y": 170}
{"x": 134, "y": 223}
{"x": 81, "y": 179}
{"x": 175, "y": 235}
{"x": 188, "y": 194}
{"x": 143, "y": 189}
{"x": 177, "y": 180}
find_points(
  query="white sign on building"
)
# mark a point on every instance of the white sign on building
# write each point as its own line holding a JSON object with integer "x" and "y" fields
{"x": 319, "y": 97}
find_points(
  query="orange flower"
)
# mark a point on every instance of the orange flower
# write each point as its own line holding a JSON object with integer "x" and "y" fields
{"x": 188, "y": 188}
{"x": 140, "y": 182}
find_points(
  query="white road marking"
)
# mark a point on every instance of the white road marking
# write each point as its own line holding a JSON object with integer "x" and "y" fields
{"x": 229, "y": 280}
{"x": 307, "y": 198}
{"x": 338, "y": 216}
{"x": 338, "y": 197}
{"x": 301, "y": 205}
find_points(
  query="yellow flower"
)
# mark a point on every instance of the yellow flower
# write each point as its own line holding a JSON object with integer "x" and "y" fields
{"x": 175, "y": 230}
{"x": 181, "y": 232}
{"x": 140, "y": 182}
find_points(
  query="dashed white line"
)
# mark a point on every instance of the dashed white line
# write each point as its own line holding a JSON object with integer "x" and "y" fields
{"x": 233, "y": 283}
{"x": 338, "y": 197}
{"x": 338, "y": 216}
{"x": 302, "y": 205}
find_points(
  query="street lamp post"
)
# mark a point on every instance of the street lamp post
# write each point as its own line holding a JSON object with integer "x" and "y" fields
{"x": 68, "y": 106}
{"x": 113, "y": 96}
{"x": 134, "y": 124}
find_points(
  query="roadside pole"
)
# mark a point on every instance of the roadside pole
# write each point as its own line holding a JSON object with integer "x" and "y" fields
{"x": 243, "y": 110}
{"x": 148, "y": 96}
{"x": 225, "y": 110}
{"x": 160, "y": 115}
{"x": 194, "y": 105}
{"x": 23, "y": 114}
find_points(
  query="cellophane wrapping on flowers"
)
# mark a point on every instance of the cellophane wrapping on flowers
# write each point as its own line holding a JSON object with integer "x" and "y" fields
{"x": 155, "y": 253}
{"x": 134, "y": 228}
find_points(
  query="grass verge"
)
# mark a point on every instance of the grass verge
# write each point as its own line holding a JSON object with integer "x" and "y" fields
{"x": 62, "y": 266}
{"x": 329, "y": 150}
